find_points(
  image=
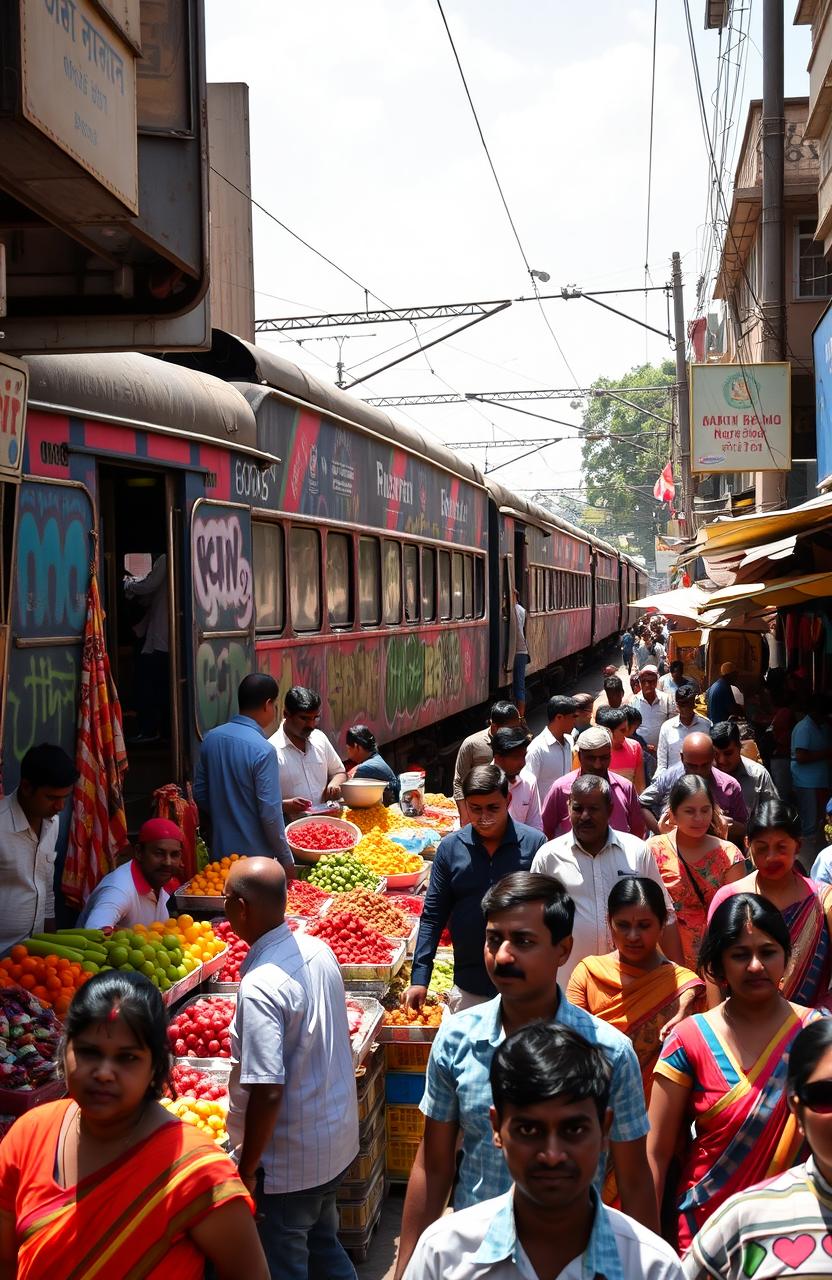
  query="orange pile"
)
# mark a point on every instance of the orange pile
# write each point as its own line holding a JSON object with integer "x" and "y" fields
{"x": 53, "y": 979}
{"x": 211, "y": 880}
{"x": 430, "y": 1015}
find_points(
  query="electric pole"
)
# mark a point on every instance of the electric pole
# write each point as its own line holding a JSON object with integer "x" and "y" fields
{"x": 771, "y": 485}
{"x": 682, "y": 394}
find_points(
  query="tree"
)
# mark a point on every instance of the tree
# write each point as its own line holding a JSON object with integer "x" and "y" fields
{"x": 620, "y": 476}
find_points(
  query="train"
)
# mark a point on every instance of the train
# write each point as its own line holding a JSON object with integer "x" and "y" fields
{"x": 306, "y": 534}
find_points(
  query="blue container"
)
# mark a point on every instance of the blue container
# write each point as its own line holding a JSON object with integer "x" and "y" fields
{"x": 404, "y": 1087}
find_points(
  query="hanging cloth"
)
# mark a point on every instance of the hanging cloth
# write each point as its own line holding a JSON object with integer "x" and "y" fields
{"x": 168, "y": 802}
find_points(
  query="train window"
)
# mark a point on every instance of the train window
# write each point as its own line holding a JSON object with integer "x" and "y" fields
{"x": 468, "y": 586}
{"x": 267, "y": 554}
{"x": 338, "y": 579}
{"x": 444, "y": 585}
{"x": 305, "y": 578}
{"x": 369, "y": 582}
{"x": 479, "y": 587}
{"x": 428, "y": 584}
{"x": 541, "y": 590}
{"x": 456, "y": 585}
{"x": 392, "y": 583}
{"x": 551, "y": 584}
{"x": 411, "y": 583}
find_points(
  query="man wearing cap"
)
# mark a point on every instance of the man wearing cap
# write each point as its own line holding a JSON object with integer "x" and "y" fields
{"x": 594, "y": 748}
{"x": 655, "y": 708}
{"x": 135, "y": 892}
{"x": 510, "y": 747}
{"x": 720, "y": 695}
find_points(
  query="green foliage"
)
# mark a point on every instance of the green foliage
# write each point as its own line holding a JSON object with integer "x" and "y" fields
{"x": 619, "y": 477}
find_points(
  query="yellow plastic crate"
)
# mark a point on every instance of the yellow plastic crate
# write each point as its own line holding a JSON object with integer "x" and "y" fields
{"x": 401, "y": 1152}
{"x": 402, "y": 1056}
{"x": 362, "y": 1167}
{"x": 404, "y": 1121}
{"x": 357, "y": 1215}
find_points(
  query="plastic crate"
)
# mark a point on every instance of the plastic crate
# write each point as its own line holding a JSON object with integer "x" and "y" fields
{"x": 401, "y": 1152}
{"x": 406, "y": 1057}
{"x": 404, "y": 1122}
{"x": 356, "y": 1180}
{"x": 357, "y": 1216}
{"x": 371, "y": 1091}
{"x": 404, "y": 1087}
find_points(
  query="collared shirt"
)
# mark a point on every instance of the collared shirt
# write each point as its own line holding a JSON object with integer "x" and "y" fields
{"x": 306, "y": 773}
{"x": 474, "y": 750}
{"x": 626, "y": 812}
{"x": 822, "y": 866}
{"x": 649, "y": 655}
{"x": 524, "y": 801}
{"x": 152, "y": 590}
{"x": 547, "y": 760}
{"x": 520, "y": 645}
{"x": 237, "y": 784}
{"x": 589, "y": 880}
{"x": 480, "y": 1243}
{"x": 671, "y": 687}
{"x": 671, "y": 736}
{"x": 458, "y": 1089}
{"x": 462, "y": 873}
{"x": 726, "y": 790}
{"x": 27, "y": 869}
{"x": 810, "y": 737}
{"x": 290, "y": 1027}
{"x": 653, "y": 715}
{"x": 123, "y": 898}
{"x": 755, "y": 781}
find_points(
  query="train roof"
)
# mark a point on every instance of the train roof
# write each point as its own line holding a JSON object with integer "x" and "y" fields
{"x": 513, "y": 504}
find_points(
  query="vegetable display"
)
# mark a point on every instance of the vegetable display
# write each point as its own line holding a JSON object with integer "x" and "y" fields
{"x": 382, "y": 855}
{"x": 351, "y": 939}
{"x": 29, "y": 1039}
{"x": 317, "y": 837}
{"x": 375, "y": 910}
{"x": 190, "y": 1082}
{"x": 338, "y": 872}
{"x": 410, "y": 904}
{"x": 378, "y": 818}
{"x": 442, "y": 978}
{"x": 201, "y": 1030}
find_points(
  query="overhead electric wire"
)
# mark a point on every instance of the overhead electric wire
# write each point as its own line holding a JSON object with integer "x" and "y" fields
{"x": 650, "y": 144}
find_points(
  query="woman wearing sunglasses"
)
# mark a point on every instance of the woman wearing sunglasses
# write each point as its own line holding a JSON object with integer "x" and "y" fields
{"x": 782, "y": 1228}
{"x": 773, "y": 841}
{"x": 724, "y": 1071}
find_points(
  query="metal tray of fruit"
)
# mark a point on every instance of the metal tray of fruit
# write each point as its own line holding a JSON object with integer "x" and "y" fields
{"x": 217, "y": 987}
{"x": 380, "y": 887}
{"x": 207, "y": 903}
{"x": 377, "y": 972}
{"x": 205, "y": 1064}
{"x": 212, "y": 966}
{"x": 371, "y": 1021}
{"x": 414, "y": 1034}
{"x": 410, "y": 881}
{"x": 178, "y": 990}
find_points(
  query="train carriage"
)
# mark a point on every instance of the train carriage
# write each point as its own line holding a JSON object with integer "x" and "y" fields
{"x": 606, "y": 606}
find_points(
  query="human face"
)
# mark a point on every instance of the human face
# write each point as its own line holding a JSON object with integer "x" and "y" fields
{"x": 583, "y": 717}
{"x": 512, "y": 762}
{"x": 159, "y": 861}
{"x": 635, "y": 934}
{"x": 521, "y": 959}
{"x": 590, "y": 818}
{"x": 301, "y": 724}
{"x": 648, "y": 685}
{"x": 728, "y": 758}
{"x": 754, "y": 965}
{"x": 815, "y": 1122}
{"x": 108, "y": 1072}
{"x": 619, "y": 735}
{"x": 40, "y": 803}
{"x": 694, "y": 815}
{"x": 596, "y": 760}
{"x": 488, "y": 814}
{"x": 773, "y": 853}
{"x": 552, "y": 1149}
{"x": 686, "y": 708}
{"x": 562, "y": 725}
{"x": 698, "y": 757}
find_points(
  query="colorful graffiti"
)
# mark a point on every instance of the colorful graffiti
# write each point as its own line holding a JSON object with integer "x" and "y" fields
{"x": 223, "y": 594}
{"x": 222, "y": 570}
{"x": 352, "y": 683}
{"x": 41, "y": 703}
{"x": 220, "y": 666}
{"x": 53, "y": 552}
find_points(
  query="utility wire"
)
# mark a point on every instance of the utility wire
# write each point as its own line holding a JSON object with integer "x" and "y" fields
{"x": 650, "y": 145}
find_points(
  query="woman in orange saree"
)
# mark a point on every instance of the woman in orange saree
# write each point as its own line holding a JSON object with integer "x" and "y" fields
{"x": 108, "y": 1183}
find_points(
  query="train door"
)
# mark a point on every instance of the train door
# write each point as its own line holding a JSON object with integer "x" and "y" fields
{"x": 141, "y": 588}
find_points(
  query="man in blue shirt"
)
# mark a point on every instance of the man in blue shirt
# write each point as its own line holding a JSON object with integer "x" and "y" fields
{"x": 720, "y": 696}
{"x": 467, "y": 863}
{"x": 528, "y": 937}
{"x": 237, "y": 781}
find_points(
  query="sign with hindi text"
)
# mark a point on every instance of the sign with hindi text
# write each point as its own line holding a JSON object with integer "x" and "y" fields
{"x": 740, "y": 417}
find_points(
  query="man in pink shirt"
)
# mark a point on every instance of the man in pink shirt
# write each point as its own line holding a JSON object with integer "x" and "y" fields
{"x": 594, "y": 748}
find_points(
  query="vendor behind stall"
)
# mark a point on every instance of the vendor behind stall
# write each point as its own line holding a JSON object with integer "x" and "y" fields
{"x": 365, "y": 761}
{"x": 135, "y": 892}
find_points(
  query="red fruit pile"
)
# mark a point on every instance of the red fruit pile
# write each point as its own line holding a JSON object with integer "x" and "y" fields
{"x": 201, "y": 1029}
{"x": 305, "y": 899}
{"x": 316, "y": 836}
{"x": 409, "y": 903}
{"x": 237, "y": 952}
{"x": 352, "y": 940}
{"x": 355, "y": 1017}
{"x": 187, "y": 1082}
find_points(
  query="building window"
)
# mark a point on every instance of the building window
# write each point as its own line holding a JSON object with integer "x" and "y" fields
{"x": 814, "y": 273}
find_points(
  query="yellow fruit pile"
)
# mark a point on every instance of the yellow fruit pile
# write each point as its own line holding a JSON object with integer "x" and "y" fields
{"x": 211, "y": 881}
{"x": 382, "y": 855}
{"x": 209, "y": 1117}
{"x": 439, "y": 801}
{"x": 377, "y": 818}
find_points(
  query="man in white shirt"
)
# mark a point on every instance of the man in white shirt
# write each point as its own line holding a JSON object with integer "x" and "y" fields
{"x": 521, "y": 657}
{"x": 654, "y": 708}
{"x": 29, "y": 824}
{"x": 551, "y": 1120}
{"x": 675, "y": 678}
{"x": 135, "y": 892}
{"x": 549, "y": 755}
{"x": 310, "y": 768}
{"x": 674, "y": 731}
{"x": 510, "y": 747}
{"x": 588, "y": 860}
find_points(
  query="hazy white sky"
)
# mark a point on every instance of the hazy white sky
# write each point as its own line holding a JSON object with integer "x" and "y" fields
{"x": 363, "y": 143}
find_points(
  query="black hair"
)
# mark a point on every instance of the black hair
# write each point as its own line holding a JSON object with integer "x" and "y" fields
{"x": 138, "y": 1002}
{"x": 483, "y": 779}
{"x": 637, "y": 891}
{"x": 613, "y": 684}
{"x": 586, "y": 783}
{"x": 255, "y": 691}
{"x": 533, "y": 886}
{"x": 725, "y": 734}
{"x": 361, "y": 736}
{"x": 299, "y": 699}
{"x": 774, "y": 815}
{"x": 633, "y": 714}
{"x": 677, "y": 662}
{"x": 583, "y": 702}
{"x": 506, "y": 740}
{"x": 547, "y": 1060}
{"x": 559, "y": 705}
{"x": 687, "y": 692}
{"x": 808, "y": 1047}
{"x": 729, "y": 922}
{"x": 48, "y": 766}
{"x": 611, "y": 718}
{"x": 503, "y": 712}
{"x": 690, "y": 784}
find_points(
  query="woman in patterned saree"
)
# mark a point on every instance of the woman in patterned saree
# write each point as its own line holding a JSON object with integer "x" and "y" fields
{"x": 724, "y": 1071}
{"x": 108, "y": 1183}
{"x": 773, "y": 840}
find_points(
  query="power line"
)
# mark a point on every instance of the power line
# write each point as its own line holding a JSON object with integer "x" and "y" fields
{"x": 650, "y": 145}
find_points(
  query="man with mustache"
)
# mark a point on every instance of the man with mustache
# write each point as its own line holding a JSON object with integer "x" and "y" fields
{"x": 310, "y": 768}
{"x": 528, "y": 938}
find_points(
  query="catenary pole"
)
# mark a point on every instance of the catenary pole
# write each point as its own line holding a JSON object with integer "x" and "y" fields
{"x": 682, "y": 395}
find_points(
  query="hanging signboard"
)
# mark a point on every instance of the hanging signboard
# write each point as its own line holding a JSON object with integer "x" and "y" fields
{"x": 822, "y": 349}
{"x": 14, "y": 388}
{"x": 741, "y": 417}
{"x": 666, "y": 556}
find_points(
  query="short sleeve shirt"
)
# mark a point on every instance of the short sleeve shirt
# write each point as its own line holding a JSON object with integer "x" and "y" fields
{"x": 305, "y": 773}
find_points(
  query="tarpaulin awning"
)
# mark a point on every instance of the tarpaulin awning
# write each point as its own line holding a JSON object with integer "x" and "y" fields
{"x": 773, "y": 595}
{"x": 743, "y": 532}
{"x": 684, "y": 602}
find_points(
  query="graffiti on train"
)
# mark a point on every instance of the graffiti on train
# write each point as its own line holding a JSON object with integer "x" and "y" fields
{"x": 352, "y": 684}
{"x": 220, "y": 666}
{"x": 419, "y": 673}
{"x": 222, "y": 570}
{"x": 53, "y": 553}
{"x": 41, "y": 702}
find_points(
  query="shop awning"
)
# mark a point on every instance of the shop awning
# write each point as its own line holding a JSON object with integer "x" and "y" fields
{"x": 772, "y": 595}
{"x": 743, "y": 532}
{"x": 684, "y": 602}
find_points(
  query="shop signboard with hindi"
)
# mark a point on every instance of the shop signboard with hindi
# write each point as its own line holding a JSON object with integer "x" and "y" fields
{"x": 822, "y": 350}
{"x": 14, "y": 387}
{"x": 741, "y": 417}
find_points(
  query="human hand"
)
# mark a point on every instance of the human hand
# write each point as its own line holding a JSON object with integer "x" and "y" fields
{"x": 332, "y": 791}
{"x": 415, "y": 997}
{"x": 667, "y": 822}
{"x": 296, "y": 807}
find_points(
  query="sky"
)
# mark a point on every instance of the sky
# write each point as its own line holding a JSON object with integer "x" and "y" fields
{"x": 363, "y": 142}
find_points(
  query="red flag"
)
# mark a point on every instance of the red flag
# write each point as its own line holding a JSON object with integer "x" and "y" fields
{"x": 664, "y": 490}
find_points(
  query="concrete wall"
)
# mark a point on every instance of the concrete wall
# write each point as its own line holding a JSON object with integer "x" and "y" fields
{"x": 232, "y": 259}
